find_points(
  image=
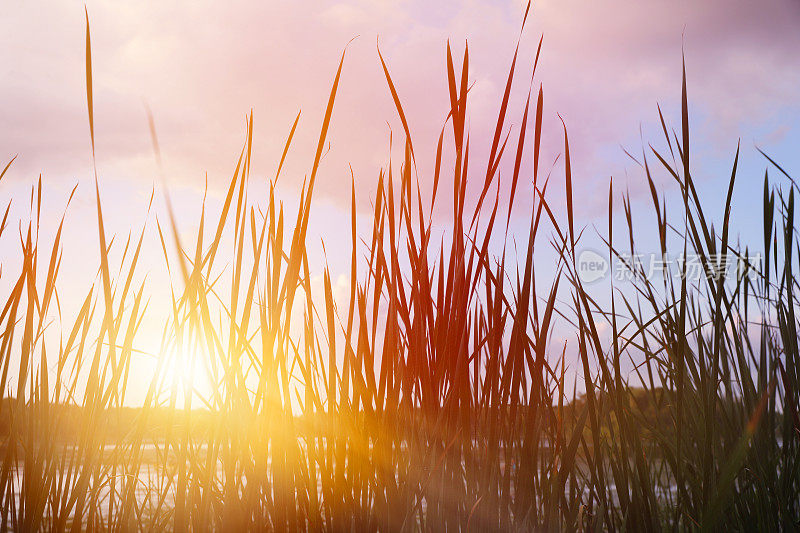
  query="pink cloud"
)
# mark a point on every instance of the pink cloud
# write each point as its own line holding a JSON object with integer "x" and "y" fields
{"x": 201, "y": 66}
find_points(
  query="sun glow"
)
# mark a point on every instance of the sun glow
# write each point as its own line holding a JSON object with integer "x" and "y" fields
{"x": 184, "y": 377}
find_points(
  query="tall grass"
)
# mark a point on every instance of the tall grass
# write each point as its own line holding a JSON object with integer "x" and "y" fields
{"x": 433, "y": 396}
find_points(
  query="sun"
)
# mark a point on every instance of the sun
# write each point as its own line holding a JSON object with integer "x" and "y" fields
{"x": 185, "y": 376}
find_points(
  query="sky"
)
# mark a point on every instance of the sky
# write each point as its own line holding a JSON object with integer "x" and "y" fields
{"x": 201, "y": 66}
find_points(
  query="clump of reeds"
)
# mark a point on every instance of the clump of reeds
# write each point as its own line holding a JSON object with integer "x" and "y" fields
{"x": 431, "y": 397}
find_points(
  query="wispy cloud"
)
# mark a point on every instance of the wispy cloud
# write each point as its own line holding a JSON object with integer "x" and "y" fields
{"x": 201, "y": 66}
